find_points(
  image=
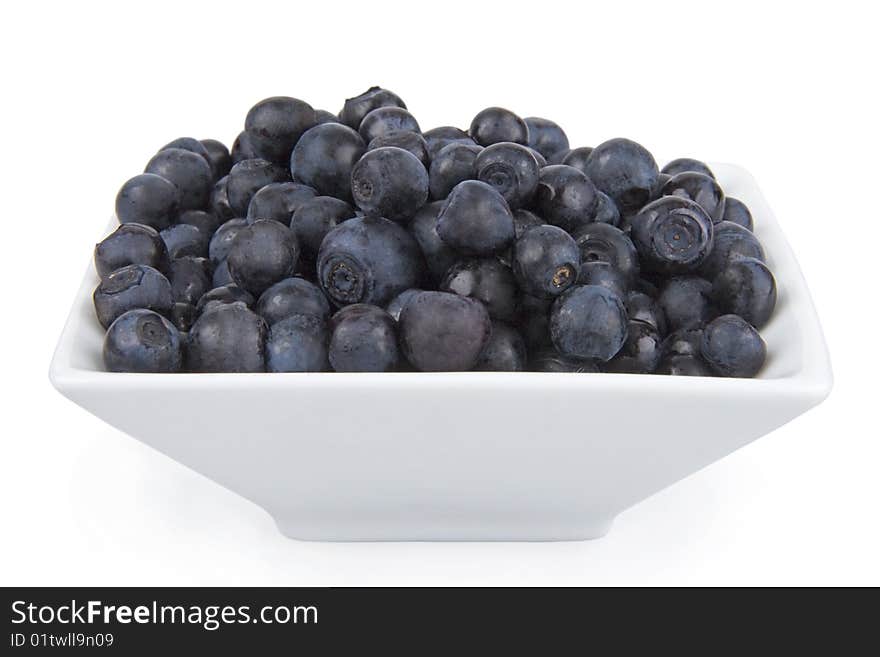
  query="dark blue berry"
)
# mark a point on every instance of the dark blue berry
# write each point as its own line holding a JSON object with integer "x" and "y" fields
{"x": 640, "y": 353}
{"x": 278, "y": 201}
{"x": 185, "y": 240}
{"x": 496, "y": 124}
{"x": 605, "y": 275}
{"x": 243, "y": 149}
{"x": 545, "y": 136}
{"x": 148, "y": 199}
{"x": 219, "y": 203}
{"x": 565, "y": 197}
{"x": 206, "y": 222}
{"x": 276, "y": 124}
{"x": 732, "y": 347}
{"x": 133, "y": 286}
{"x": 292, "y": 296}
{"x": 511, "y": 169}
{"x": 405, "y": 139}
{"x": 673, "y": 235}
{"x": 190, "y": 278}
{"x": 131, "y": 244}
{"x": 453, "y": 164}
{"x": 686, "y": 302}
{"x": 577, "y": 158}
{"x": 218, "y": 157}
{"x": 249, "y": 176}
{"x": 505, "y": 351}
{"x": 683, "y": 342}
{"x": 439, "y": 256}
{"x": 606, "y": 210}
{"x": 746, "y": 287}
{"x": 221, "y": 275}
{"x": 141, "y": 340}
{"x": 735, "y": 211}
{"x": 227, "y": 338}
{"x": 624, "y": 170}
{"x": 222, "y": 239}
{"x": 604, "y": 243}
{"x": 588, "y": 322}
{"x": 389, "y": 182}
{"x": 368, "y": 260}
{"x": 684, "y": 164}
{"x": 183, "y": 316}
{"x": 223, "y": 295}
{"x": 261, "y": 255}
{"x": 190, "y": 173}
{"x": 323, "y": 116}
{"x": 640, "y": 307}
{"x": 439, "y": 138}
{"x": 699, "y": 188}
{"x": 397, "y": 304}
{"x": 324, "y": 159}
{"x": 363, "y": 338}
{"x": 545, "y": 261}
{"x": 486, "y": 280}
{"x": 475, "y": 219}
{"x": 297, "y": 343}
{"x": 731, "y": 241}
{"x": 383, "y": 120}
{"x": 315, "y": 218}
{"x": 355, "y": 109}
{"x": 442, "y": 332}
{"x": 190, "y": 144}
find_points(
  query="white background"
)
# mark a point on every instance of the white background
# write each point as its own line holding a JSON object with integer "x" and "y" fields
{"x": 787, "y": 91}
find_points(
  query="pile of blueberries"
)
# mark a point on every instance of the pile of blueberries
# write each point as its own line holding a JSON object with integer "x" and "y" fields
{"x": 356, "y": 242}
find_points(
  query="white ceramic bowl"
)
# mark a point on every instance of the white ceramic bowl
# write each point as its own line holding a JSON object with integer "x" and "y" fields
{"x": 458, "y": 456}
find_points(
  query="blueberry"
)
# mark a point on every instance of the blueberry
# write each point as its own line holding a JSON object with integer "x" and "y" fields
{"x": 140, "y": 340}
{"x": 511, "y": 169}
{"x": 683, "y": 342}
{"x": 557, "y": 158}
{"x": 662, "y": 179}
{"x": 442, "y": 332}
{"x": 221, "y": 241}
{"x": 683, "y": 366}
{"x": 278, "y": 201}
{"x": 324, "y": 159}
{"x": 363, "y": 338}
{"x": 577, "y": 158}
{"x": 220, "y": 296}
{"x": 389, "y": 182}
{"x": 640, "y": 353}
{"x": 191, "y": 174}
{"x": 133, "y": 286}
{"x": 219, "y": 203}
{"x": 454, "y": 163}
{"x": 315, "y": 218}
{"x": 227, "y": 338}
{"x": 221, "y": 275}
{"x": 382, "y": 120}
{"x": 368, "y": 260}
{"x": 604, "y": 274}
{"x": 533, "y": 322}
{"x": 540, "y": 159}
{"x": 148, "y": 199}
{"x": 405, "y": 139}
{"x": 276, "y": 124}
{"x": 131, "y": 244}
{"x": 262, "y": 254}
{"x": 475, "y": 219}
{"x": 746, "y": 287}
{"x": 565, "y": 197}
{"x": 605, "y": 243}
{"x": 190, "y": 278}
{"x": 206, "y": 222}
{"x": 396, "y": 305}
{"x": 193, "y": 146}
{"x": 505, "y": 351}
{"x": 640, "y": 307}
{"x": 588, "y": 322}
{"x": 249, "y": 176}
{"x": 439, "y": 256}
{"x": 242, "y": 149}
{"x": 686, "y": 302}
{"x": 624, "y": 170}
{"x": 731, "y": 241}
{"x": 292, "y": 296}
{"x": 185, "y": 240}
{"x": 606, "y": 210}
{"x": 735, "y": 211}
{"x": 672, "y": 235}
{"x": 496, "y": 124}
{"x": 486, "y": 280}
{"x": 646, "y": 287}
{"x": 546, "y": 261}
{"x": 683, "y": 164}
{"x": 732, "y": 347}
{"x": 297, "y": 343}
{"x": 183, "y": 316}
{"x": 550, "y": 360}
{"x": 323, "y": 116}
{"x": 545, "y": 136}
{"x": 218, "y": 157}
{"x": 439, "y": 138}
{"x": 524, "y": 219}
{"x": 699, "y": 188}
{"x": 355, "y": 109}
